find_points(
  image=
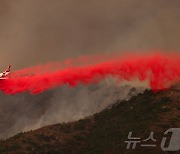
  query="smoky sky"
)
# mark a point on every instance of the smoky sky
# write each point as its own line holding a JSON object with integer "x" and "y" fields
{"x": 38, "y": 31}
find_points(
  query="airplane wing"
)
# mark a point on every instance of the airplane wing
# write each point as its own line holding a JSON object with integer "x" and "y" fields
{"x": 1, "y": 78}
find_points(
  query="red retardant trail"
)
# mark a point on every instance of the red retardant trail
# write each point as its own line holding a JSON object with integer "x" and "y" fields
{"x": 160, "y": 70}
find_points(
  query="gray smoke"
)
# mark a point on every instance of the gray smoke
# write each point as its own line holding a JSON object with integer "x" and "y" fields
{"x": 24, "y": 112}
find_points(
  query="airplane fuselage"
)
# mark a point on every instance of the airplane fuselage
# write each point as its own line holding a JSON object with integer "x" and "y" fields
{"x": 5, "y": 74}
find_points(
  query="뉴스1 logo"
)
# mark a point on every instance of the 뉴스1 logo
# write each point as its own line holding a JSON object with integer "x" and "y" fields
{"x": 173, "y": 143}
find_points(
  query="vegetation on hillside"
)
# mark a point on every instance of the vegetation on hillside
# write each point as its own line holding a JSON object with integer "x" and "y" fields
{"x": 107, "y": 131}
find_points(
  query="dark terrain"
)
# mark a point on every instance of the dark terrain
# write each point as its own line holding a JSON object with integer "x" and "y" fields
{"x": 105, "y": 132}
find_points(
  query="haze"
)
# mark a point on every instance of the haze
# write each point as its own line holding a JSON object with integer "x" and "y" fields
{"x": 38, "y": 31}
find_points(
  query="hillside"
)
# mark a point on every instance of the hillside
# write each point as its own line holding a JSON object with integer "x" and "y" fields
{"x": 107, "y": 131}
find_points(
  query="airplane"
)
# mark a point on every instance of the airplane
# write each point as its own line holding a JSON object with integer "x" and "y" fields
{"x": 5, "y": 74}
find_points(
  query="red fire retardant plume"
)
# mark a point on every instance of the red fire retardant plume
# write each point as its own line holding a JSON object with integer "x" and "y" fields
{"x": 160, "y": 70}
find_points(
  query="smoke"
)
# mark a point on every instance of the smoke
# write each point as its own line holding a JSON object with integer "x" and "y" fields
{"x": 176, "y": 86}
{"x": 24, "y": 112}
{"x": 44, "y": 30}
{"x": 161, "y": 71}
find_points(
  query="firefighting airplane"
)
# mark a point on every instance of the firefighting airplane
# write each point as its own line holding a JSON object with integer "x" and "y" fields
{"x": 5, "y": 74}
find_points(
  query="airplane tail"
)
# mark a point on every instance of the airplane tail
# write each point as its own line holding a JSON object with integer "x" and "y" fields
{"x": 9, "y": 68}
